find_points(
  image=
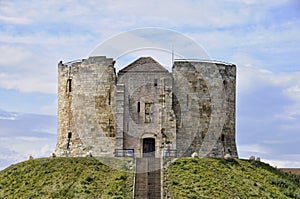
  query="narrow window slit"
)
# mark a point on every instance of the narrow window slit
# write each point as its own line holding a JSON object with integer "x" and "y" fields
{"x": 148, "y": 112}
{"x": 109, "y": 98}
{"x": 69, "y": 139}
{"x": 110, "y": 126}
{"x": 138, "y": 107}
{"x": 222, "y": 137}
{"x": 187, "y": 100}
{"x": 69, "y": 85}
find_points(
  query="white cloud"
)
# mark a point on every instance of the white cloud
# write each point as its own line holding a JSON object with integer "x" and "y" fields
{"x": 282, "y": 163}
{"x": 156, "y": 42}
{"x": 294, "y": 91}
{"x": 120, "y": 14}
{"x": 50, "y": 108}
{"x": 8, "y": 116}
{"x": 267, "y": 156}
{"x": 35, "y": 11}
{"x": 113, "y": 15}
{"x": 28, "y": 83}
{"x": 251, "y": 79}
{"x": 276, "y": 38}
{"x": 257, "y": 40}
{"x": 265, "y": 3}
{"x": 15, "y": 20}
{"x": 13, "y": 55}
{"x": 31, "y": 139}
{"x": 253, "y": 149}
{"x": 45, "y": 40}
{"x": 20, "y": 150}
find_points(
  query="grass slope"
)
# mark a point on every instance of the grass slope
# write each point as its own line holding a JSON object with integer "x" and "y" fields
{"x": 64, "y": 178}
{"x": 184, "y": 178}
{"x": 219, "y": 178}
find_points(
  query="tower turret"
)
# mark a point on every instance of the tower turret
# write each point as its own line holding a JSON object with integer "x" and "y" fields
{"x": 86, "y": 107}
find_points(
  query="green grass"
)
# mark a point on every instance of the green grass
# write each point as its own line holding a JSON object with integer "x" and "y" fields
{"x": 65, "y": 178}
{"x": 87, "y": 177}
{"x": 219, "y": 178}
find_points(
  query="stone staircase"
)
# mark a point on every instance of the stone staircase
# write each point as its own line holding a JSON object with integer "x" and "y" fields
{"x": 147, "y": 178}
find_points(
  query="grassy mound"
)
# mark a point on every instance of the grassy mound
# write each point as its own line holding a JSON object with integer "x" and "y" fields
{"x": 64, "y": 178}
{"x": 218, "y": 178}
{"x": 184, "y": 178}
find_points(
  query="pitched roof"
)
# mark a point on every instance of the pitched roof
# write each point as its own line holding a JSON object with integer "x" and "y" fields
{"x": 144, "y": 64}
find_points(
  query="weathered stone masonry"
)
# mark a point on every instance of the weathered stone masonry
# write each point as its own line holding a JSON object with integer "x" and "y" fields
{"x": 146, "y": 108}
{"x": 86, "y": 101}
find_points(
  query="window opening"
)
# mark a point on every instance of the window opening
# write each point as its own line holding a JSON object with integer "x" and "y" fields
{"x": 109, "y": 97}
{"x": 69, "y": 85}
{"x": 148, "y": 112}
{"x": 69, "y": 139}
{"x": 155, "y": 82}
{"x": 138, "y": 107}
{"x": 110, "y": 126}
{"x": 187, "y": 100}
{"x": 222, "y": 137}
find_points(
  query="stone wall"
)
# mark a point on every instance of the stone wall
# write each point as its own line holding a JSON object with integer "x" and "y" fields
{"x": 145, "y": 91}
{"x": 205, "y": 107}
{"x": 86, "y": 116}
{"x": 189, "y": 110}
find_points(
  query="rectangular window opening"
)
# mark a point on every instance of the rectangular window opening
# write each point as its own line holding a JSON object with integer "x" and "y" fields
{"x": 110, "y": 125}
{"x": 155, "y": 82}
{"x": 148, "y": 112}
{"x": 187, "y": 100}
{"x": 138, "y": 107}
{"x": 69, "y": 140}
{"x": 109, "y": 97}
{"x": 69, "y": 85}
{"x": 222, "y": 137}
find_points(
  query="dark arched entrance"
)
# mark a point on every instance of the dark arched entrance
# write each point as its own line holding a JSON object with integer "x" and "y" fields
{"x": 148, "y": 147}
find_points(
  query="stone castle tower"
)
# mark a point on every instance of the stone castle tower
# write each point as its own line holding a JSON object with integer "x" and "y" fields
{"x": 145, "y": 110}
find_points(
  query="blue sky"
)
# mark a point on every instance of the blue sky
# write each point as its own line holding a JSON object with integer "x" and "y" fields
{"x": 261, "y": 37}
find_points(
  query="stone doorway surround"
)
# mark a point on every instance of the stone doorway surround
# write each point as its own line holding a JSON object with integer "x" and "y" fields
{"x": 152, "y": 141}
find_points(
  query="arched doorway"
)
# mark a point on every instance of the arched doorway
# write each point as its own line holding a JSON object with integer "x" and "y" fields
{"x": 148, "y": 147}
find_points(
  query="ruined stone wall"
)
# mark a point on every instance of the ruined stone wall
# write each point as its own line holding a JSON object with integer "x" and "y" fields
{"x": 204, "y": 100}
{"x": 193, "y": 107}
{"x": 190, "y": 110}
{"x": 86, "y": 109}
{"x": 65, "y": 115}
{"x": 228, "y": 74}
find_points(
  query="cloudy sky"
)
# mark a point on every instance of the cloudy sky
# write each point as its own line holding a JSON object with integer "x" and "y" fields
{"x": 261, "y": 37}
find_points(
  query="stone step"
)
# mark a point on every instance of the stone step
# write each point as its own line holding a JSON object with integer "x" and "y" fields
{"x": 147, "y": 178}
